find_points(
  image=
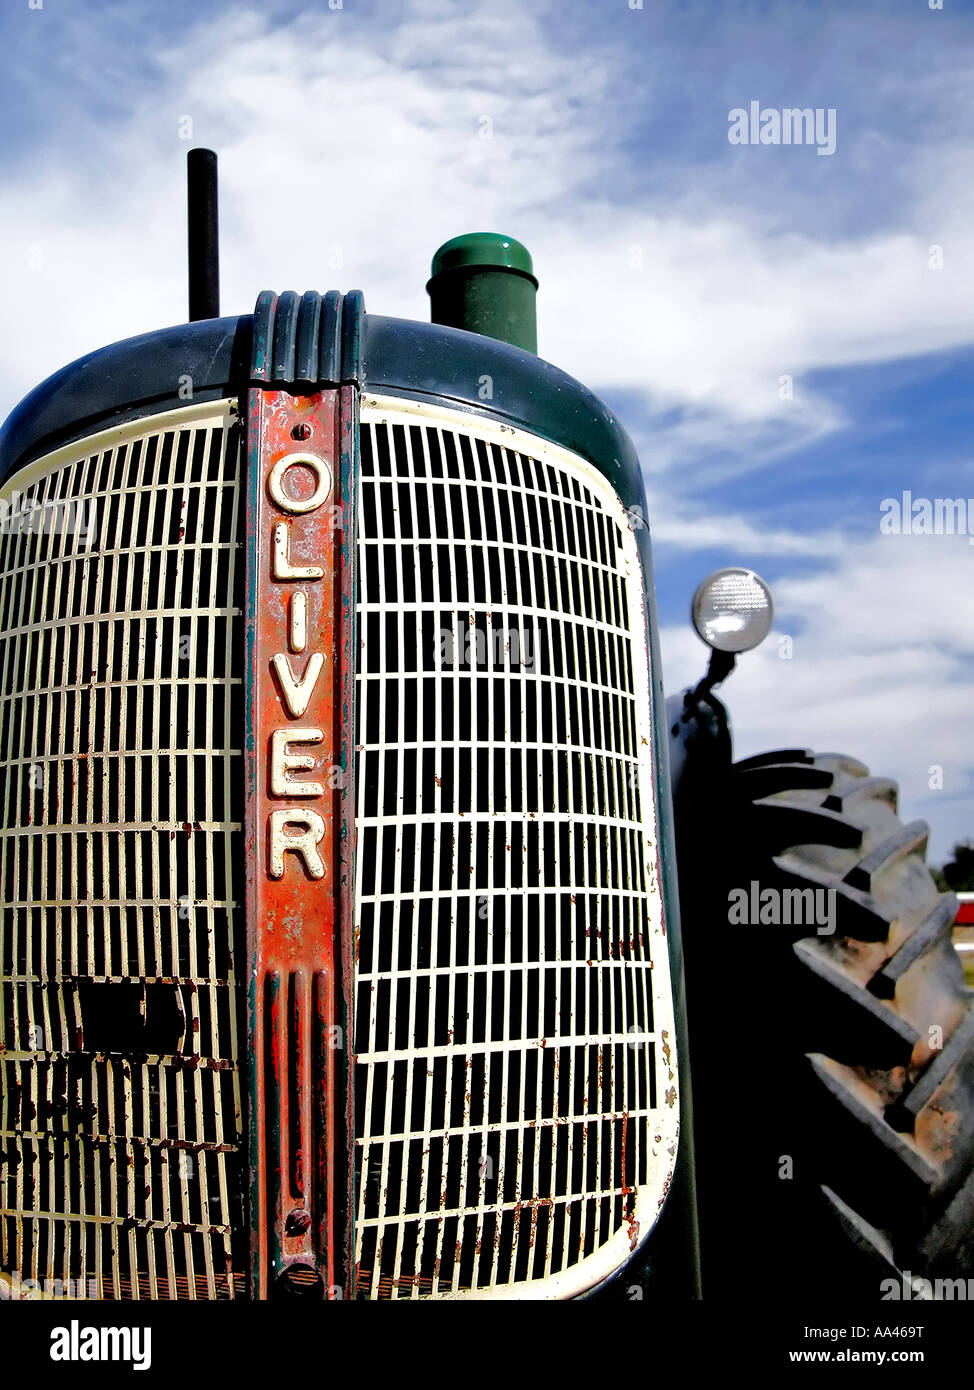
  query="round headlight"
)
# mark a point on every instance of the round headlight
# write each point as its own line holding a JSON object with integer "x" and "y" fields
{"x": 733, "y": 610}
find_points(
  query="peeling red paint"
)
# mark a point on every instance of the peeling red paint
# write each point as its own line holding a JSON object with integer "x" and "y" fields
{"x": 295, "y": 893}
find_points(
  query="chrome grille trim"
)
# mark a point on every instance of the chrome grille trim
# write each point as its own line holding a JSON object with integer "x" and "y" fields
{"x": 516, "y": 1098}
{"x": 120, "y": 917}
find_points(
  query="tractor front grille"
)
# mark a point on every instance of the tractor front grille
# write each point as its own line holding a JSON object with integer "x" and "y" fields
{"x": 515, "y": 1096}
{"x": 516, "y": 1105}
{"x": 121, "y": 864}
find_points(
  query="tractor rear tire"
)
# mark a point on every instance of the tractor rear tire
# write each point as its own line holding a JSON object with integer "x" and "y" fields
{"x": 832, "y": 1060}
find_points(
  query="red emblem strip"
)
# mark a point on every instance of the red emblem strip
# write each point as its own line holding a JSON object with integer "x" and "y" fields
{"x": 300, "y": 604}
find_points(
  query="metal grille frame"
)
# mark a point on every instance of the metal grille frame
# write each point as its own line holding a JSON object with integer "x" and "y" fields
{"x": 121, "y": 931}
{"x": 517, "y": 1123}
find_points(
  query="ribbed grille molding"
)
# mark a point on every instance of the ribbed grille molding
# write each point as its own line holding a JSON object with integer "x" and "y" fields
{"x": 515, "y": 1092}
{"x": 121, "y": 865}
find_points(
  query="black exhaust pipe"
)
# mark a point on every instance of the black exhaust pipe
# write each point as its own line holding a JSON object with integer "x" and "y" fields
{"x": 204, "y": 235}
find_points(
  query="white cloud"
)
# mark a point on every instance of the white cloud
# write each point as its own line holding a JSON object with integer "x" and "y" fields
{"x": 372, "y": 149}
{"x": 363, "y": 139}
{"x": 671, "y": 526}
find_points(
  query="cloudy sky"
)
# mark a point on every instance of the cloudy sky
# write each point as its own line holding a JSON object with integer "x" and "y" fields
{"x": 788, "y": 335}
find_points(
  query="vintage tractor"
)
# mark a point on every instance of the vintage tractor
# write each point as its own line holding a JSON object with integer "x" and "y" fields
{"x": 340, "y": 946}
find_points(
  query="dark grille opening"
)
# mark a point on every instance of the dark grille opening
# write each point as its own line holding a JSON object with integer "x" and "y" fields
{"x": 126, "y": 1017}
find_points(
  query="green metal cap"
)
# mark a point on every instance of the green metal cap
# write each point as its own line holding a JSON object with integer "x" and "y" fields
{"x": 484, "y": 283}
{"x": 481, "y": 249}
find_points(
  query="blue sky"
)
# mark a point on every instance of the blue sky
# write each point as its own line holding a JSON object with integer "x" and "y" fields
{"x": 681, "y": 276}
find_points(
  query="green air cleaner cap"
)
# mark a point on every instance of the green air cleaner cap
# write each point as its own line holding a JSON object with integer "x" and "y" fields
{"x": 484, "y": 282}
{"x": 483, "y": 249}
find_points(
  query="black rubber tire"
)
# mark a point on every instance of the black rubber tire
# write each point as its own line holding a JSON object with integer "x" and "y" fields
{"x": 833, "y": 1072}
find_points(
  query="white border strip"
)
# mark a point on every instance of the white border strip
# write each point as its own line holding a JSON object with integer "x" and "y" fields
{"x": 213, "y": 412}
